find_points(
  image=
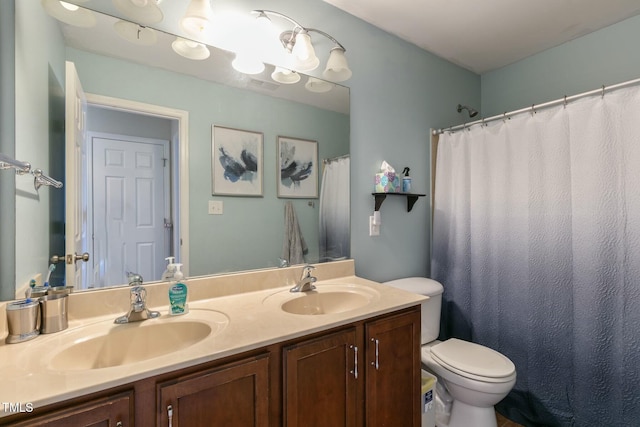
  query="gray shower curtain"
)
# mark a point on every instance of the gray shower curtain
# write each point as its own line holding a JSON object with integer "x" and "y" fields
{"x": 537, "y": 244}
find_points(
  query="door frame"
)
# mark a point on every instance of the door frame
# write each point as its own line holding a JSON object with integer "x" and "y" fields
{"x": 179, "y": 146}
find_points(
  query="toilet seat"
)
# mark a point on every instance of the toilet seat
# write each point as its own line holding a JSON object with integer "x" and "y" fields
{"x": 473, "y": 361}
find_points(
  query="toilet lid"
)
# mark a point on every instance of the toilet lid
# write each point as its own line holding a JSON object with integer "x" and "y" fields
{"x": 470, "y": 358}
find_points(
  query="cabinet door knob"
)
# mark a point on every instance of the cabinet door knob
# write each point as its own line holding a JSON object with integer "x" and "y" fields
{"x": 376, "y": 362}
{"x": 119, "y": 424}
{"x": 170, "y": 415}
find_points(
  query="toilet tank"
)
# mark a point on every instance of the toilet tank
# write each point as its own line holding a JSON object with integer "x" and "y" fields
{"x": 430, "y": 327}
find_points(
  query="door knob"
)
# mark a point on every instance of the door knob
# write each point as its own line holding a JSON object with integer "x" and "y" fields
{"x": 56, "y": 259}
{"x": 73, "y": 258}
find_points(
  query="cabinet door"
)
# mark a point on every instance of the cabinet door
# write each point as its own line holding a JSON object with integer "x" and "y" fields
{"x": 320, "y": 383}
{"x": 113, "y": 411}
{"x": 231, "y": 395}
{"x": 393, "y": 371}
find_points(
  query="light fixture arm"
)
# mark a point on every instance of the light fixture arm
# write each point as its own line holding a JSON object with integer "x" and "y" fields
{"x": 327, "y": 36}
{"x": 297, "y": 28}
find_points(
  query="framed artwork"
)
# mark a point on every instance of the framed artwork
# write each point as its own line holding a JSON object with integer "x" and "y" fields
{"x": 236, "y": 164}
{"x": 297, "y": 168}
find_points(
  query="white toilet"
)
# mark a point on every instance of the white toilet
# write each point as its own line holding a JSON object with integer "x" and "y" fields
{"x": 471, "y": 377}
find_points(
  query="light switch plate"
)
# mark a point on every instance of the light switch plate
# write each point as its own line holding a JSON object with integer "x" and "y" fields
{"x": 374, "y": 229}
{"x": 216, "y": 207}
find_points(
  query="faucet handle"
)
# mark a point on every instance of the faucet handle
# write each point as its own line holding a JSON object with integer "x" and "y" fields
{"x": 134, "y": 279}
{"x": 306, "y": 270}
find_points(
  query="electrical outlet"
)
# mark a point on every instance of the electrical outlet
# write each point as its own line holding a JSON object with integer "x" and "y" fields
{"x": 215, "y": 207}
{"x": 374, "y": 229}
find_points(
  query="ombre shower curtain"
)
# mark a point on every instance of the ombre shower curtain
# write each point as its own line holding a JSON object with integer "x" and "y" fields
{"x": 334, "y": 210}
{"x": 537, "y": 243}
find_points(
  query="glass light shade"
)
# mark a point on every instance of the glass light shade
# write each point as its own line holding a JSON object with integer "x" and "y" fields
{"x": 143, "y": 12}
{"x": 285, "y": 76}
{"x": 190, "y": 49}
{"x": 67, "y": 13}
{"x": 337, "y": 69}
{"x": 247, "y": 64}
{"x": 318, "y": 86}
{"x": 198, "y": 18}
{"x": 135, "y": 33}
{"x": 304, "y": 53}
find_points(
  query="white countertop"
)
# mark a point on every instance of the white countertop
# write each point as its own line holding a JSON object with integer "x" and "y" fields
{"x": 254, "y": 320}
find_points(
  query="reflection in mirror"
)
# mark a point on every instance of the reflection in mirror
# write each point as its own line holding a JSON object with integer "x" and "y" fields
{"x": 117, "y": 76}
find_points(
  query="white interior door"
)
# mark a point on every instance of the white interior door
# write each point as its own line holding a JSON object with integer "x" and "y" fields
{"x": 75, "y": 194}
{"x": 129, "y": 208}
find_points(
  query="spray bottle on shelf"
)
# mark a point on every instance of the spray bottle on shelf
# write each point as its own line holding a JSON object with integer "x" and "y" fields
{"x": 178, "y": 293}
{"x": 406, "y": 181}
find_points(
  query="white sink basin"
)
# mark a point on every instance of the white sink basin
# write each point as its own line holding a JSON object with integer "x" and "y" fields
{"x": 100, "y": 346}
{"x": 325, "y": 299}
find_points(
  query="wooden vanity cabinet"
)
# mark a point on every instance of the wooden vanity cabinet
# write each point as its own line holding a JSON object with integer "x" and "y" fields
{"x": 393, "y": 371}
{"x": 109, "y": 411}
{"x": 362, "y": 374}
{"x": 320, "y": 381}
{"x": 368, "y": 375}
{"x": 233, "y": 395}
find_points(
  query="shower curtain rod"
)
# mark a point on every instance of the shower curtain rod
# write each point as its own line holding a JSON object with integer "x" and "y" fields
{"x": 564, "y": 100}
{"x": 333, "y": 159}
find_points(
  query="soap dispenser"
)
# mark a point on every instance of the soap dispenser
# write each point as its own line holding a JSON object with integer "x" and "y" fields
{"x": 170, "y": 270}
{"x": 406, "y": 181}
{"x": 178, "y": 293}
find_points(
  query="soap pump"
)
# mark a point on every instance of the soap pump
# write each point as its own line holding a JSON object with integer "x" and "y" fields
{"x": 170, "y": 270}
{"x": 406, "y": 181}
{"x": 178, "y": 293}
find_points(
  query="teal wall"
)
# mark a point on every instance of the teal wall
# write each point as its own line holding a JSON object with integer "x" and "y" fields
{"x": 605, "y": 57}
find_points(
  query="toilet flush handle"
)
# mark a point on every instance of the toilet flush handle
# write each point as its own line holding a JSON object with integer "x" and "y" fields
{"x": 376, "y": 361}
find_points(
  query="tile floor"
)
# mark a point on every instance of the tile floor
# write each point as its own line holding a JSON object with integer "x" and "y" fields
{"x": 505, "y": 422}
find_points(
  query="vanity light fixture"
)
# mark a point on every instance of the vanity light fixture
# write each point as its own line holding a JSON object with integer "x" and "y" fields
{"x": 285, "y": 76}
{"x": 145, "y": 12}
{"x": 190, "y": 49}
{"x": 247, "y": 64}
{"x": 136, "y": 34}
{"x": 69, "y": 13}
{"x": 298, "y": 44}
{"x": 318, "y": 86}
{"x": 198, "y": 18}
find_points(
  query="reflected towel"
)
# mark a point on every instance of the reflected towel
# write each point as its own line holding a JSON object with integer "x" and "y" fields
{"x": 294, "y": 247}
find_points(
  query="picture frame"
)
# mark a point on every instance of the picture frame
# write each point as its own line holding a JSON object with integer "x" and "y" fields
{"x": 297, "y": 168}
{"x": 236, "y": 162}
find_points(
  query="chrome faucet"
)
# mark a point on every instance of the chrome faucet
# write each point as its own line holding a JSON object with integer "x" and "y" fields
{"x": 138, "y": 310}
{"x": 306, "y": 282}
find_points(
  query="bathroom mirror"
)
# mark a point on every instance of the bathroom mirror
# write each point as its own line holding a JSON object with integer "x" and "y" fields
{"x": 249, "y": 233}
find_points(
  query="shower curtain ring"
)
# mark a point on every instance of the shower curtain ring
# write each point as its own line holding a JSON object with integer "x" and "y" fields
{"x": 565, "y": 101}
{"x": 603, "y": 91}
{"x": 533, "y": 110}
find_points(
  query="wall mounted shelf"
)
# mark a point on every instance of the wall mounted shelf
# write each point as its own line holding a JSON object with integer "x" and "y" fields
{"x": 411, "y": 199}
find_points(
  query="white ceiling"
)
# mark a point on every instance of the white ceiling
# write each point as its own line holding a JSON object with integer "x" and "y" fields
{"x": 484, "y": 35}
